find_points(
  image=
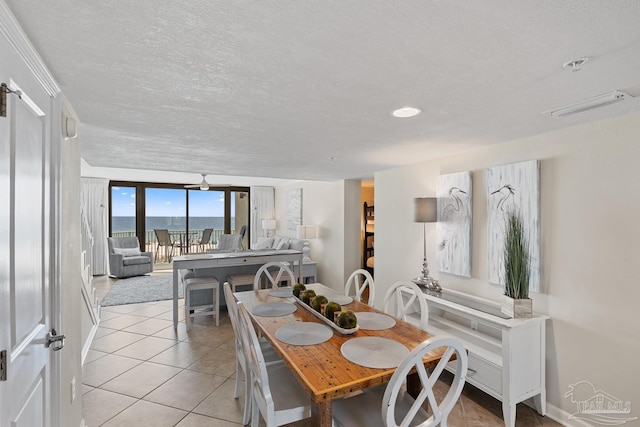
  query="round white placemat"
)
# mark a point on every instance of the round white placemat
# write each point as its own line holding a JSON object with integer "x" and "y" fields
{"x": 283, "y": 292}
{"x": 375, "y": 321}
{"x": 374, "y": 352}
{"x": 340, "y": 299}
{"x": 304, "y": 333}
{"x": 274, "y": 309}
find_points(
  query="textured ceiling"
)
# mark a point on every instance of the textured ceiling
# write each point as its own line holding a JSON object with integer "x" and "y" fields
{"x": 304, "y": 89}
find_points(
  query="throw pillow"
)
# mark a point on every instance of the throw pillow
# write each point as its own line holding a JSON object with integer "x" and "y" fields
{"x": 127, "y": 251}
{"x": 276, "y": 241}
{"x": 282, "y": 244}
{"x": 263, "y": 243}
{"x": 296, "y": 244}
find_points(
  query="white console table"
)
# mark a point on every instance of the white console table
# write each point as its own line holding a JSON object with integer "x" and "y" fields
{"x": 506, "y": 356}
{"x": 309, "y": 271}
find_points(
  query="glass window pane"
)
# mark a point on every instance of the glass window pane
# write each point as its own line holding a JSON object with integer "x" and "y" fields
{"x": 166, "y": 209}
{"x": 123, "y": 211}
{"x": 206, "y": 210}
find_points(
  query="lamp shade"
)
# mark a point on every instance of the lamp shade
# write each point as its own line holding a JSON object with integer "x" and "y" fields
{"x": 426, "y": 209}
{"x": 268, "y": 224}
{"x": 307, "y": 232}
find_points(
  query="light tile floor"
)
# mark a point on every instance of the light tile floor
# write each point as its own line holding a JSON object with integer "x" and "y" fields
{"x": 141, "y": 372}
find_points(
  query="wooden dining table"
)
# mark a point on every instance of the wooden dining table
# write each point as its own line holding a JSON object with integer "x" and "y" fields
{"x": 321, "y": 368}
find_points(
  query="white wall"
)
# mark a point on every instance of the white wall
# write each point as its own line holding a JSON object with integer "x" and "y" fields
{"x": 590, "y": 244}
{"x": 327, "y": 204}
{"x": 140, "y": 175}
{"x": 71, "y": 284}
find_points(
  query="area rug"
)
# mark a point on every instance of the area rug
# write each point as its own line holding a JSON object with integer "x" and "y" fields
{"x": 141, "y": 289}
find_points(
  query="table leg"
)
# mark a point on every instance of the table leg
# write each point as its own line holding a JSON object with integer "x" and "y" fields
{"x": 175, "y": 297}
{"x": 300, "y": 270}
{"x": 322, "y": 414}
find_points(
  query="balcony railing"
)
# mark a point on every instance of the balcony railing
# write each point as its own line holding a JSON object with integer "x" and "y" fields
{"x": 195, "y": 237}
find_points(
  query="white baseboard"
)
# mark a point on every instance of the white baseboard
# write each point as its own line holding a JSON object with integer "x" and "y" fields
{"x": 560, "y": 416}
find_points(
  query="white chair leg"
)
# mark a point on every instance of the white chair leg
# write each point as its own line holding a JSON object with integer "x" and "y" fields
{"x": 255, "y": 419}
{"x": 187, "y": 304}
{"x": 248, "y": 397}
{"x": 236, "y": 391}
{"x": 216, "y": 304}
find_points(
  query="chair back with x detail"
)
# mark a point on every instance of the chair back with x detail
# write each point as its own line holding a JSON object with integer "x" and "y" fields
{"x": 400, "y": 302}
{"x": 398, "y": 407}
{"x": 361, "y": 280}
{"x": 271, "y": 277}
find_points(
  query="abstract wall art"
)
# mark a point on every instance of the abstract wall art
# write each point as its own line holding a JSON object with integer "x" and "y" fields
{"x": 453, "y": 230}
{"x": 294, "y": 208}
{"x": 513, "y": 187}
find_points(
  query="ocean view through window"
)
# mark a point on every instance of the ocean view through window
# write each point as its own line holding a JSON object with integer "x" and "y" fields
{"x": 139, "y": 209}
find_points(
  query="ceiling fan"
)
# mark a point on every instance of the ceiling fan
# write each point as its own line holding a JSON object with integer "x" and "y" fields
{"x": 204, "y": 185}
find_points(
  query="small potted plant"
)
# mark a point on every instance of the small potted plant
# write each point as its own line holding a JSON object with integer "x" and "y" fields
{"x": 516, "y": 302}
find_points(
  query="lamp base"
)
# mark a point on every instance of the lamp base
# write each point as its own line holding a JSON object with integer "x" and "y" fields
{"x": 427, "y": 282}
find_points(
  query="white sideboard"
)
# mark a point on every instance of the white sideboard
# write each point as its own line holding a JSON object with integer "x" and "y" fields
{"x": 506, "y": 356}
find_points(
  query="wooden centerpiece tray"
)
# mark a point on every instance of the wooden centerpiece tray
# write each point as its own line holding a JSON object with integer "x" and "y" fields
{"x": 325, "y": 320}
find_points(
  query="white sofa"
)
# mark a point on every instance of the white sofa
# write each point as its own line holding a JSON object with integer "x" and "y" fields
{"x": 280, "y": 242}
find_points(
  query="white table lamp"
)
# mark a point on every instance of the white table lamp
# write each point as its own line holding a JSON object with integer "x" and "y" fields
{"x": 307, "y": 232}
{"x": 268, "y": 225}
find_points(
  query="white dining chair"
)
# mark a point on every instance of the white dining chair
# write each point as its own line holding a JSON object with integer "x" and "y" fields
{"x": 273, "y": 273}
{"x": 275, "y": 393}
{"x": 398, "y": 407}
{"x": 400, "y": 302}
{"x": 268, "y": 353}
{"x": 361, "y": 280}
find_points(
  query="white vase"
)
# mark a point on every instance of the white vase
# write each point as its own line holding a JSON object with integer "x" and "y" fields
{"x": 516, "y": 308}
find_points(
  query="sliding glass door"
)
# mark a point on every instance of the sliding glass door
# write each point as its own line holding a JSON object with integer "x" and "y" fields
{"x": 166, "y": 212}
{"x": 139, "y": 209}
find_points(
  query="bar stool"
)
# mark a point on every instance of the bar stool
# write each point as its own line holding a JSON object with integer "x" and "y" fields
{"x": 237, "y": 280}
{"x": 213, "y": 309}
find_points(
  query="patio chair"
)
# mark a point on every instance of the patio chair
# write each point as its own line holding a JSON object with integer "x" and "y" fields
{"x": 205, "y": 240}
{"x": 164, "y": 241}
{"x": 243, "y": 233}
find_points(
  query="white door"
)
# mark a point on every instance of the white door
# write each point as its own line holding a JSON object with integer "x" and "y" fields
{"x": 25, "y": 246}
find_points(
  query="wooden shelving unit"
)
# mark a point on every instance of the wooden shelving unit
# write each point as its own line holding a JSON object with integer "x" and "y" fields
{"x": 367, "y": 244}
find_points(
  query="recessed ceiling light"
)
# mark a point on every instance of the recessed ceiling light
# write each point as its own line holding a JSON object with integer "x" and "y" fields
{"x": 405, "y": 112}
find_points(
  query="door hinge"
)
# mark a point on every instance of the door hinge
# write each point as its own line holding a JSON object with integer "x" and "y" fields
{"x": 3, "y": 365}
{"x": 4, "y": 90}
{"x": 52, "y": 338}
